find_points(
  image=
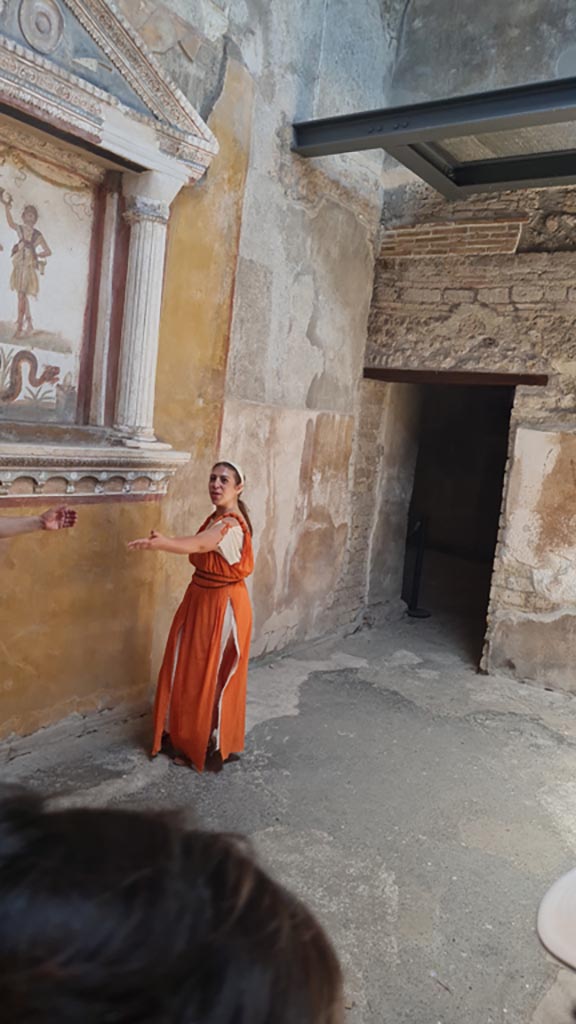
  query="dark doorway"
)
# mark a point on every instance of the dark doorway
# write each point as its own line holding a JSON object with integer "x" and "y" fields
{"x": 455, "y": 506}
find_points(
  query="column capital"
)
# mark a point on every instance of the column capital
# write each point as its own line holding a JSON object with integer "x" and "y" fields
{"x": 139, "y": 208}
{"x": 151, "y": 185}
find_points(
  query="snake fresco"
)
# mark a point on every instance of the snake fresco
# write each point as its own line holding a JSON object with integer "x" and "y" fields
{"x": 16, "y": 379}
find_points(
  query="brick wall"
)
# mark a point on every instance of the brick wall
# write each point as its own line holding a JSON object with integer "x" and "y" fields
{"x": 510, "y": 312}
{"x": 462, "y": 237}
{"x": 547, "y": 216}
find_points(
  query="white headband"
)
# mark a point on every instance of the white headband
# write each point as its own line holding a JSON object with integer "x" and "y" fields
{"x": 239, "y": 470}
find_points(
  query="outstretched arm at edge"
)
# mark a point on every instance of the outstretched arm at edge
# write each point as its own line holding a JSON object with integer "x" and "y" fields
{"x": 13, "y": 525}
{"x": 53, "y": 519}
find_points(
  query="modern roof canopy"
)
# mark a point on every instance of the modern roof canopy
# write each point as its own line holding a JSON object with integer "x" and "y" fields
{"x": 524, "y": 137}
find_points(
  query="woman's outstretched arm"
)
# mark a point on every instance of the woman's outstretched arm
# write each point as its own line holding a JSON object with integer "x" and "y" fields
{"x": 200, "y": 543}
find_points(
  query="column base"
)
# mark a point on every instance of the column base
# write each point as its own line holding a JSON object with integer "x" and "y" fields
{"x": 144, "y": 440}
{"x": 154, "y": 445}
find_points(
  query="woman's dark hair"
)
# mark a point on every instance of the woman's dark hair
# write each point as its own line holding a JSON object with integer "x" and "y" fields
{"x": 126, "y": 918}
{"x": 241, "y": 504}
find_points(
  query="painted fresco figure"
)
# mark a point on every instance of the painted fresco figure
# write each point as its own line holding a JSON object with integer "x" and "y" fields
{"x": 54, "y": 519}
{"x": 29, "y": 255}
{"x": 200, "y": 708}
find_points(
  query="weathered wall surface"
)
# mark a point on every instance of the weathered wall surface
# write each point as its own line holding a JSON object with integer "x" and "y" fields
{"x": 301, "y": 291}
{"x": 84, "y": 621}
{"x": 460, "y": 46}
{"x": 299, "y": 461}
{"x": 533, "y": 616}
{"x": 499, "y": 312}
{"x": 469, "y": 311}
{"x": 267, "y": 294}
{"x": 267, "y": 291}
{"x": 391, "y": 464}
{"x": 199, "y": 286}
{"x": 77, "y": 615}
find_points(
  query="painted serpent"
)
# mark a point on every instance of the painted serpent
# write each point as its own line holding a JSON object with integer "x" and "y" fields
{"x": 48, "y": 375}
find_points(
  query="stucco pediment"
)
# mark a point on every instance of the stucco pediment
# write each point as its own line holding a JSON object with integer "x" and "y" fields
{"x": 80, "y": 97}
{"x": 80, "y": 67}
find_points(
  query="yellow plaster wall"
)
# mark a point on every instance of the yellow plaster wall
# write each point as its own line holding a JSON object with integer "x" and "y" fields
{"x": 75, "y": 618}
{"x": 82, "y": 621}
{"x": 199, "y": 291}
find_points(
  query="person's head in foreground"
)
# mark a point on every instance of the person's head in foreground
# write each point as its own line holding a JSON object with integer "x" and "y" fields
{"x": 556, "y": 923}
{"x": 113, "y": 917}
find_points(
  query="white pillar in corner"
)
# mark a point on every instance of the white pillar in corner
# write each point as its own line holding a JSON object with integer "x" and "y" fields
{"x": 148, "y": 198}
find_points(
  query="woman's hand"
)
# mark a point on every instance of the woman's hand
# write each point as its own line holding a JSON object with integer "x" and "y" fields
{"x": 58, "y": 518}
{"x": 153, "y": 542}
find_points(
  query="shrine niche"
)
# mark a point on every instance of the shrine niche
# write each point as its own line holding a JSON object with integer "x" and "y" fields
{"x": 46, "y": 225}
{"x": 95, "y": 143}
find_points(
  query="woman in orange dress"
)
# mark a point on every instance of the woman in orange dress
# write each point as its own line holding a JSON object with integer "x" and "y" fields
{"x": 200, "y": 708}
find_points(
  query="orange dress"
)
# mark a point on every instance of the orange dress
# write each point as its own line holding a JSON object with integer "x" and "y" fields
{"x": 211, "y": 631}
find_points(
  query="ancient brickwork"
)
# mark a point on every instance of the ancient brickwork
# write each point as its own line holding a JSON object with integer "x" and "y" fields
{"x": 464, "y": 237}
{"x": 499, "y": 312}
{"x": 548, "y": 216}
{"x": 509, "y": 314}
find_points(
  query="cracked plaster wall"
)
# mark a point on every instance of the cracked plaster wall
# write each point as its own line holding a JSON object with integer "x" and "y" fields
{"x": 267, "y": 294}
{"x": 533, "y": 607}
{"x": 277, "y": 383}
{"x": 267, "y": 290}
{"x": 511, "y": 313}
{"x": 454, "y": 47}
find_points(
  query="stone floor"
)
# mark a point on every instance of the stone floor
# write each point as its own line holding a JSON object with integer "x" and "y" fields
{"x": 420, "y": 808}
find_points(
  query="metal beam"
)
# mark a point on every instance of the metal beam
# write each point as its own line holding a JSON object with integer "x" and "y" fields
{"x": 541, "y": 103}
{"x": 416, "y": 159}
{"x": 548, "y": 168}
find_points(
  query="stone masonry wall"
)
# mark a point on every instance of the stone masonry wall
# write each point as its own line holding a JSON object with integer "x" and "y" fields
{"x": 499, "y": 313}
{"x": 511, "y": 313}
{"x": 280, "y": 394}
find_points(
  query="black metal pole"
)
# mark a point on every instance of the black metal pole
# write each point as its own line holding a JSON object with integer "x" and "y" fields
{"x": 413, "y": 610}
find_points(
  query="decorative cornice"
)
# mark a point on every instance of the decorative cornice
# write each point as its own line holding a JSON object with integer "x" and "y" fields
{"x": 26, "y": 470}
{"x": 31, "y": 82}
{"x": 44, "y": 85}
{"x": 161, "y": 148}
{"x": 114, "y": 34}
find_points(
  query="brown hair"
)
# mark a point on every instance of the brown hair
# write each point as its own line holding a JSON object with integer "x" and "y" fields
{"x": 126, "y": 916}
{"x": 241, "y": 504}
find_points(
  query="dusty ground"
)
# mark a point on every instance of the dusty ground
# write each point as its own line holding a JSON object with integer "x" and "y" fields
{"x": 422, "y": 809}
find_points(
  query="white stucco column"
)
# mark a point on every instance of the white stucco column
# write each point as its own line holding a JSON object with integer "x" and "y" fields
{"x": 148, "y": 198}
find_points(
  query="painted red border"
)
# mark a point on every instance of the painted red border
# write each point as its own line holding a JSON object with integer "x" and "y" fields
{"x": 86, "y": 371}
{"x": 119, "y": 275}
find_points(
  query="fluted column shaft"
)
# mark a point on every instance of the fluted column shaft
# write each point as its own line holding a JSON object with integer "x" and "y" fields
{"x": 148, "y": 219}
